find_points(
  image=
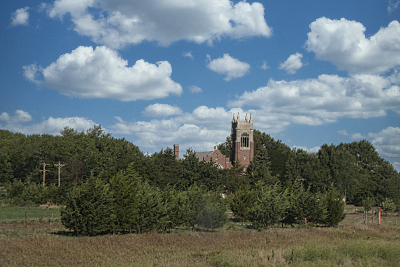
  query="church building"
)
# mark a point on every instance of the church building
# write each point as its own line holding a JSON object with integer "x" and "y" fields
{"x": 242, "y": 146}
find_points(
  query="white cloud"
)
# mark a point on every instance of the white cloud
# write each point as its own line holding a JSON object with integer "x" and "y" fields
{"x": 387, "y": 142}
{"x": 324, "y": 100}
{"x": 343, "y": 43}
{"x": 342, "y": 132}
{"x": 229, "y": 66}
{"x": 309, "y": 150}
{"x": 396, "y": 165}
{"x": 188, "y": 54}
{"x": 199, "y": 129}
{"x": 102, "y": 73}
{"x": 20, "y": 117}
{"x": 357, "y": 136}
{"x": 20, "y": 17}
{"x": 393, "y": 5}
{"x": 195, "y": 89}
{"x": 264, "y": 65}
{"x": 117, "y": 23}
{"x": 292, "y": 64}
{"x": 50, "y": 126}
{"x": 161, "y": 110}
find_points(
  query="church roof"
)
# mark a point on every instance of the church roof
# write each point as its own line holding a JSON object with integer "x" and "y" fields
{"x": 202, "y": 155}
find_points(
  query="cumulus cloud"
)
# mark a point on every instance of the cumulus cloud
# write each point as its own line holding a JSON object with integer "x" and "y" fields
{"x": 161, "y": 110}
{"x": 102, "y": 73}
{"x": 324, "y": 100}
{"x": 343, "y": 43}
{"x": 195, "y": 89}
{"x": 50, "y": 126}
{"x": 387, "y": 142}
{"x": 20, "y": 17}
{"x": 229, "y": 66}
{"x": 117, "y": 23}
{"x": 199, "y": 129}
{"x": 292, "y": 64}
{"x": 20, "y": 117}
{"x": 342, "y": 132}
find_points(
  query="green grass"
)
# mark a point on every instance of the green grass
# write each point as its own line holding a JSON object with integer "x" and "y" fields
{"x": 10, "y": 214}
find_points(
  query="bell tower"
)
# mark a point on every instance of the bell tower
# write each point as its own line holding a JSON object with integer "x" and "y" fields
{"x": 242, "y": 147}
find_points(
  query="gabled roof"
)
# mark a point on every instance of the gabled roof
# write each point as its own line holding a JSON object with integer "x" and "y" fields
{"x": 202, "y": 155}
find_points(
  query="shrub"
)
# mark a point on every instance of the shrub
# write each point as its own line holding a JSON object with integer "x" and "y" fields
{"x": 335, "y": 208}
{"x": 213, "y": 213}
{"x": 388, "y": 205}
{"x": 88, "y": 209}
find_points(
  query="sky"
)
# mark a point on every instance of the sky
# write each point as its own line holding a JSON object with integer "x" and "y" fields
{"x": 164, "y": 72}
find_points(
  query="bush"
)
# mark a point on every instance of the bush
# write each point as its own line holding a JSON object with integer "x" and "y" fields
{"x": 388, "y": 205}
{"x": 269, "y": 207}
{"x": 88, "y": 209}
{"x": 213, "y": 213}
{"x": 335, "y": 209}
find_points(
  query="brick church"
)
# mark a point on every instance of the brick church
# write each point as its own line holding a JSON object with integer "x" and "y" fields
{"x": 242, "y": 146}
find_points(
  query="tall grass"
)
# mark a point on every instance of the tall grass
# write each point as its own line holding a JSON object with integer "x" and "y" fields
{"x": 350, "y": 244}
{"x": 375, "y": 246}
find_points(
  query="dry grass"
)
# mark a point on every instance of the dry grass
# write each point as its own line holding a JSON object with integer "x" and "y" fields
{"x": 351, "y": 244}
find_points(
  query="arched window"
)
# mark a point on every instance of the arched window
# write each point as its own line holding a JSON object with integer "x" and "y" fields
{"x": 245, "y": 140}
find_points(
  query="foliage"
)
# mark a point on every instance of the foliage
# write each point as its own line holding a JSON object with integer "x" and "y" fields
{"x": 388, "y": 205}
{"x": 269, "y": 207}
{"x": 212, "y": 214}
{"x": 334, "y": 205}
{"x": 304, "y": 206}
{"x": 241, "y": 201}
{"x": 89, "y": 209}
{"x": 368, "y": 203}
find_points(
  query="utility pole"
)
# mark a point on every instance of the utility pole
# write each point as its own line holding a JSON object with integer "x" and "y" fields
{"x": 44, "y": 172}
{"x": 59, "y": 166}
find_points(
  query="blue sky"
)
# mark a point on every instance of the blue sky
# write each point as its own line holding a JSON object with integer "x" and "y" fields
{"x": 166, "y": 72}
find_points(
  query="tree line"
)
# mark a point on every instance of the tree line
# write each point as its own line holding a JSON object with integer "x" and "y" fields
{"x": 137, "y": 192}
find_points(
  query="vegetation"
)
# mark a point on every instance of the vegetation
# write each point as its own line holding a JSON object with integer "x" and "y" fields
{"x": 109, "y": 186}
{"x": 350, "y": 244}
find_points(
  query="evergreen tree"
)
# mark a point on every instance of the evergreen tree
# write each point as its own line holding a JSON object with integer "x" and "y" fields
{"x": 270, "y": 206}
{"x": 213, "y": 213}
{"x": 89, "y": 209}
{"x": 335, "y": 208}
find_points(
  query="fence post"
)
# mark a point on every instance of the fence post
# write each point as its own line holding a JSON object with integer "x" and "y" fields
{"x": 356, "y": 216}
{"x": 379, "y": 216}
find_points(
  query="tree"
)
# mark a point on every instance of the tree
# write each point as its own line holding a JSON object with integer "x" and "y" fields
{"x": 125, "y": 186}
{"x": 304, "y": 206}
{"x": 242, "y": 201}
{"x": 89, "y": 209}
{"x": 213, "y": 212}
{"x": 270, "y": 206}
{"x": 259, "y": 168}
{"x": 334, "y": 204}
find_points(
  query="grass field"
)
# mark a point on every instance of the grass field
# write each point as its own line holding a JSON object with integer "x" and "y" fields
{"x": 45, "y": 243}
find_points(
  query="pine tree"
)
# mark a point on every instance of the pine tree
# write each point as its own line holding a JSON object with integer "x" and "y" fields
{"x": 89, "y": 209}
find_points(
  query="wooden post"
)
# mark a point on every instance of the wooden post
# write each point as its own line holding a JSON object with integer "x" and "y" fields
{"x": 379, "y": 216}
{"x": 59, "y": 166}
{"x": 44, "y": 172}
{"x": 356, "y": 216}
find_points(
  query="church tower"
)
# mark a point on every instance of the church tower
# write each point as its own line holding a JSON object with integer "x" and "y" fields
{"x": 242, "y": 147}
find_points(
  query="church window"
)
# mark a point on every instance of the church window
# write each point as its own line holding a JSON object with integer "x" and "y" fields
{"x": 245, "y": 140}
